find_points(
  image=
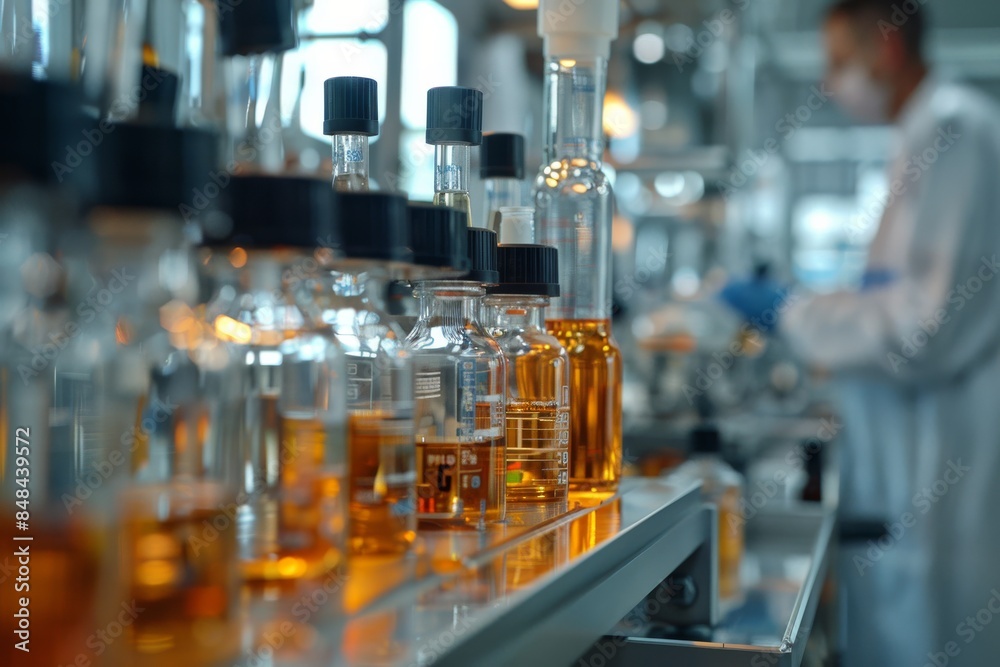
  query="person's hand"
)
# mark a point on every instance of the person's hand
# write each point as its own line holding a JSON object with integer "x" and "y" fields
{"x": 757, "y": 300}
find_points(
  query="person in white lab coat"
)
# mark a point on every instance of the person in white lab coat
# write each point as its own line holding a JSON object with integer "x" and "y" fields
{"x": 916, "y": 356}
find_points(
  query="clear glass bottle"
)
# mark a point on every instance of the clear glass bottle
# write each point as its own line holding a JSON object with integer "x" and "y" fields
{"x": 291, "y": 427}
{"x": 460, "y": 395}
{"x": 348, "y": 296}
{"x": 35, "y": 314}
{"x": 252, "y": 37}
{"x": 573, "y": 204}
{"x": 454, "y": 125}
{"x": 537, "y": 415}
{"x": 501, "y": 168}
{"x": 162, "y": 388}
{"x": 350, "y": 117}
{"x": 722, "y": 486}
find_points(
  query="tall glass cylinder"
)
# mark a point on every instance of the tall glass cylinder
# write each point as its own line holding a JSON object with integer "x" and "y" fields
{"x": 454, "y": 125}
{"x": 573, "y": 203}
{"x": 350, "y": 105}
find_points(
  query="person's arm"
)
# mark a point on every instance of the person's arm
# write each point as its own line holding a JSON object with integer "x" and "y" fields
{"x": 948, "y": 200}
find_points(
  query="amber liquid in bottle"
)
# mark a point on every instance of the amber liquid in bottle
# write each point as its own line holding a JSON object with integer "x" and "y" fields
{"x": 463, "y": 479}
{"x": 537, "y": 452}
{"x": 730, "y": 541}
{"x": 178, "y": 547}
{"x": 300, "y": 520}
{"x": 382, "y": 509}
{"x": 595, "y": 432}
{"x": 455, "y": 199}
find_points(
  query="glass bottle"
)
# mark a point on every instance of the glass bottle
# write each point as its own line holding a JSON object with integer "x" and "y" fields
{"x": 162, "y": 386}
{"x": 501, "y": 168}
{"x": 722, "y": 486}
{"x": 573, "y": 205}
{"x": 460, "y": 397}
{"x": 537, "y": 416}
{"x": 291, "y": 427}
{"x": 348, "y": 296}
{"x": 351, "y": 116}
{"x": 36, "y": 324}
{"x": 252, "y": 37}
{"x": 454, "y": 125}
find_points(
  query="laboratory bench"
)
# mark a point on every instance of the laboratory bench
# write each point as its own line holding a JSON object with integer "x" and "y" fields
{"x": 625, "y": 580}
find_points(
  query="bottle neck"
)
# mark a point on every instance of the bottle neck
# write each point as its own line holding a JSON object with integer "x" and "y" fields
{"x": 516, "y": 311}
{"x": 350, "y": 162}
{"x": 449, "y": 303}
{"x": 254, "y": 121}
{"x": 451, "y": 168}
{"x": 574, "y": 105}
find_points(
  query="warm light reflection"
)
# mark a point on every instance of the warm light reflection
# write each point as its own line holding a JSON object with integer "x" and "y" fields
{"x": 567, "y": 62}
{"x": 619, "y": 119}
{"x": 176, "y": 316}
{"x": 579, "y": 162}
{"x": 622, "y": 234}
{"x": 232, "y": 330}
{"x": 238, "y": 258}
{"x": 579, "y": 188}
{"x": 551, "y": 182}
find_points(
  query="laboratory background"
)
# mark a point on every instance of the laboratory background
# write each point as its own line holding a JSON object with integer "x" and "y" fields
{"x": 596, "y": 333}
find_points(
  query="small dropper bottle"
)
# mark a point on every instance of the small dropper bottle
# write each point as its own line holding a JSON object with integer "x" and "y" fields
{"x": 454, "y": 125}
{"x": 350, "y": 106}
{"x": 501, "y": 168}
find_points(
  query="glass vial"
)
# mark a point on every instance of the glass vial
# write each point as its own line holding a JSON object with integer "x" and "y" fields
{"x": 291, "y": 429}
{"x": 454, "y": 125}
{"x": 460, "y": 395}
{"x": 573, "y": 203}
{"x": 348, "y": 296}
{"x": 350, "y": 105}
{"x": 501, "y": 168}
{"x": 537, "y": 417}
{"x": 252, "y": 37}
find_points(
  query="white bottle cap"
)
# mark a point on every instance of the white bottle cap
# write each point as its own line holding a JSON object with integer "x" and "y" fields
{"x": 517, "y": 224}
{"x": 578, "y": 28}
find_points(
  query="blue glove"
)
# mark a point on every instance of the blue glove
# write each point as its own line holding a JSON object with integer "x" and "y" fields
{"x": 757, "y": 300}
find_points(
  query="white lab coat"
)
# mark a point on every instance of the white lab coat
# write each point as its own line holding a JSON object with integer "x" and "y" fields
{"x": 917, "y": 414}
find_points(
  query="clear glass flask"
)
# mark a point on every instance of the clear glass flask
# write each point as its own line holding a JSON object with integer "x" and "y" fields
{"x": 350, "y": 117}
{"x": 348, "y": 295}
{"x": 537, "y": 415}
{"x": 573, "y": 204}
{"x": 291, "y": 428}
{"x": 460, "y": 395}
{"x": 501, "y": 168}
{"x": 454, "y": 126}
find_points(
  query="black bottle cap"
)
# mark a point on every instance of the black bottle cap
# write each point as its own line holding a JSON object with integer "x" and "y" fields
{"x": 454, "y": 115}
{"x": 705, "y": 439}
{"x": 161, "y": 87}
{"x": 155, "y": 166}
{"x": 350, "y": 105}
{"x": 45, "y": 141}
{"x": 482, "y": 256}
{"x": 276, "y": 211}
{"x": 373, "y": 226}
{"x": 501, "y": 156}
{"x": 438, "y": 236}
{"x": 527, "y": 269}
{"x": 255, "y": 26}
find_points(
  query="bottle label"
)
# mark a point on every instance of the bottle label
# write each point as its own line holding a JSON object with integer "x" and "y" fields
{"x": 427, "y": 384}
{"x": 448, "y": 177}
{"x": 359, "y": 384}
{"x": 354, "y": 155}
{"x": 467, "y": 381}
